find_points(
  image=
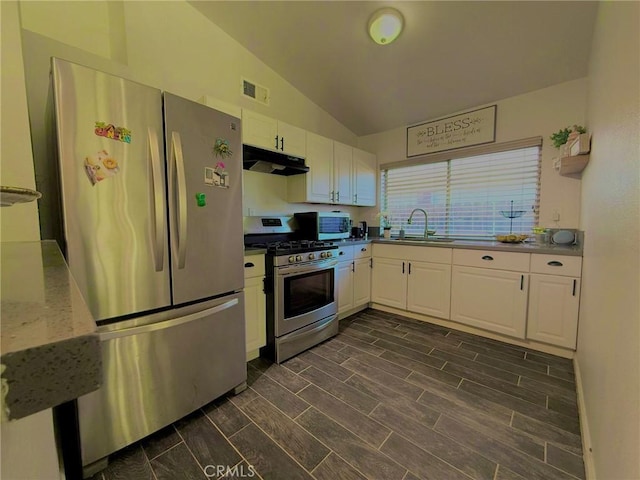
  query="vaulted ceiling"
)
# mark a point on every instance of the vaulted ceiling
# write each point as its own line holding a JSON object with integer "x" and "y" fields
{"x": 451, "y": 55}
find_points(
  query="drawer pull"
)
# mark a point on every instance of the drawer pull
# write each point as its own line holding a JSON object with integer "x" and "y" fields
{"x": 521, "y": 282}
{"x": 363, "y": 249}
{"x": 554, "y": 263}
{"x": 487, "y": 257}
{"x": 341, "y": 253}
{"x": 574, "y": 287}
{"x": 249, "y": 265}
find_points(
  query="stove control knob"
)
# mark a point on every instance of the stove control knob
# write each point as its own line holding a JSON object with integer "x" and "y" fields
{"x": 292, "y": 259}
{"x": 311, "y": 256}
{"x": 329, "y": 254}
{"x": 298, "y": 258}
{"x": 323, "y": 254}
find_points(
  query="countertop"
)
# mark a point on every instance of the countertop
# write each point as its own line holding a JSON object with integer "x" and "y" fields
{"x": 50, "y": 350}
{"x": 255, "y": 251}
{"x": 548, "y": 249}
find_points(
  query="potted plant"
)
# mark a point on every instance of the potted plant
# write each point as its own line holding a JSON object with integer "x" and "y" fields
{"x": 564, "y": 137}
{"x": 385, "y": 224}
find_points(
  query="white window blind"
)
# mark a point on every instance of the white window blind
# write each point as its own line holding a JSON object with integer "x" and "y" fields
{"x": 472, "y": 196}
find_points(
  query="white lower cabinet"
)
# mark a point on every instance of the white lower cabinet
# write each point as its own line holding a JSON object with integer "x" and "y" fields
{"x": 494, "y": 300}
{"x": 554, "y": 300}
{"x": 389, "y": 282}
{"x": 362, "y": 281}
{"x": 428, "y": 288}
{"x": 520, "y": 295}
{"x": 416, "y": 279}
{"x": 345, "y": 286}
{"x": 353, "y": 277}
{"x": 255, "y": 309}
{"x": 489, "y": 290}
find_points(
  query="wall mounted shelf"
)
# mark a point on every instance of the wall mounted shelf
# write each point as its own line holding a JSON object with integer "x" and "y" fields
{"x": 571, "y": 165}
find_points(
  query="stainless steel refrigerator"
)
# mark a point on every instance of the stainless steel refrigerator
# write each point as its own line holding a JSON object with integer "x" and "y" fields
{"x": 151, "y": 199}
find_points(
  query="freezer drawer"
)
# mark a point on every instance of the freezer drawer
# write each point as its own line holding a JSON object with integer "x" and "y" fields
{"x": 157, "y": 373}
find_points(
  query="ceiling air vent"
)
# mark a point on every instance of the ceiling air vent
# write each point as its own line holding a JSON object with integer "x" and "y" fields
{"x": 256, "y": 92}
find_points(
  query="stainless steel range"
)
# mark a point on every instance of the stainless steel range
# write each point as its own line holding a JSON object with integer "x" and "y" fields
{"x": 300, "y": 286}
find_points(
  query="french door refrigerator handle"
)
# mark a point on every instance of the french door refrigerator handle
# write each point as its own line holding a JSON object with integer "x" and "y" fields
{"x": 177, "y": 163}
{"x": 127, "y": 332}
{"x": 158, "y": 210}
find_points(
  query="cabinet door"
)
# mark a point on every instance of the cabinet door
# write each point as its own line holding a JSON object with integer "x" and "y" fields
{"x": 429, "y": 288}
{"x": 319, "y": 179}
{"x": 389, "y": 282}
{"x": 495, "y": 300}
{"x": 364, "y": 178}
{"x": 553, "y": 309}
{"x": 292, "y": 140}
{"x": 255, "y": 314}
{"x": 345, "y": 286}
{"x": 362, "y": 282}
{"x": 259, "y": 130}
{"x": 342, "y": 165}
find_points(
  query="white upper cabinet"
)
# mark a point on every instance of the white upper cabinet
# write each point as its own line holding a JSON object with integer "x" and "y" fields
{"x": 338, "y": 174}
{"x": 271, "y": 134}
{"x": 364, "y": 178}
{"x": 315, "y": 186}
{"x": 342, "y": 166}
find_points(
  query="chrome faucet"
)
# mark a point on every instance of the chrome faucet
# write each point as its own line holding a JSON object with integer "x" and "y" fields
{"x": 426, "y": 232}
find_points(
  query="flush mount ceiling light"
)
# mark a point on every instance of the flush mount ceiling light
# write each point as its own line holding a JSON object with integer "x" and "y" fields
{"x": 385, "y": 25}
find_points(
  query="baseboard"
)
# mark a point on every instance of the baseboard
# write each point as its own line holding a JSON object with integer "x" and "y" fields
{"x": 541, "y": 347}
{"x": 587, "y": 455}
{"x": 357, "y": 309}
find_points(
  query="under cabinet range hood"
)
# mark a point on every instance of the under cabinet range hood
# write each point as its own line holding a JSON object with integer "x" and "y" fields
{"x": 266, "y": 161}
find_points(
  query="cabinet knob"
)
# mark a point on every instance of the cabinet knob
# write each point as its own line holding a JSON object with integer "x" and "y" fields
{"x": 363, "y": 249}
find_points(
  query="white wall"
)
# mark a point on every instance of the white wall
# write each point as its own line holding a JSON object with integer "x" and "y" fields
{"x": 538, "y": 113}
{"x": 19, "y": 222}
{"x": 608, "y": 355}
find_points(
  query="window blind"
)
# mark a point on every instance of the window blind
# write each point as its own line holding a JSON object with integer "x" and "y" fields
{"x": 471, "y": 197}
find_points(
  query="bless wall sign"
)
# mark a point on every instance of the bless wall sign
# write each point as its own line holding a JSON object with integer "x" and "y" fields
{"x": 463, "y": 130}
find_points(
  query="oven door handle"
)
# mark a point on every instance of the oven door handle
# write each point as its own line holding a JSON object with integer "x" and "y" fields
{"x": 295, "y": 270}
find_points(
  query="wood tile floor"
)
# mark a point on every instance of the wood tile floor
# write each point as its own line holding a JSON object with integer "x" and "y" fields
{"x": 388, "y": 398}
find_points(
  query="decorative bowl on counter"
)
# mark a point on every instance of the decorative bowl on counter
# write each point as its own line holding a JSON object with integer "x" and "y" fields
{"x": 511, "y": 238}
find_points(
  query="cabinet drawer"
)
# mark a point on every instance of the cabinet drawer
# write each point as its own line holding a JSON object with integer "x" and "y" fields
{"x": 410, "y": 252}
{"x": 362, "y": 251}
{"x": 517, "y": 262}
{"x": 345, "y": 253}
{"x": 254, "y": 266}
{"x": 556, "y": 265}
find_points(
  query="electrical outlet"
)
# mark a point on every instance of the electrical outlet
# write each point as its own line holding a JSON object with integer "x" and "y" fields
{"x": 556, "y": 216}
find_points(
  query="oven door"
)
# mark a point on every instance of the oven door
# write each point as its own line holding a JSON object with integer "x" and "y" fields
{"x": 304, "y": 294}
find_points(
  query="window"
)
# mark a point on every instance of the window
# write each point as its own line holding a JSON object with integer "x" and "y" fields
{"x": 476, "y": 196}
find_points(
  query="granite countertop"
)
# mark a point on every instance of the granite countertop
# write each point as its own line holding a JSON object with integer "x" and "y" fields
{"x": 548, "y": 249}
{"x": 50, "y": 350}
{"x": 352, "y": 241}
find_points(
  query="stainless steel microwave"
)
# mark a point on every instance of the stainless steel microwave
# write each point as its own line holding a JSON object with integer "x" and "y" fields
{"x": 323, "y": 225}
